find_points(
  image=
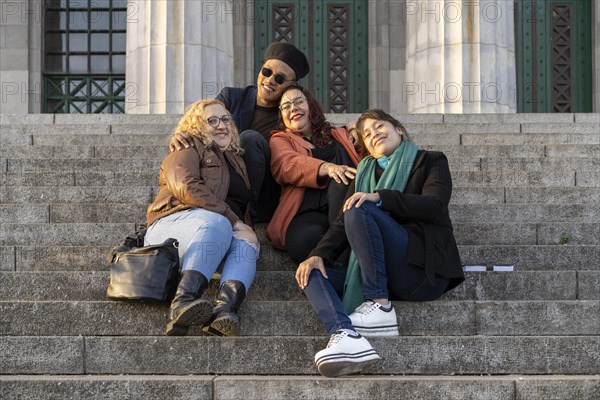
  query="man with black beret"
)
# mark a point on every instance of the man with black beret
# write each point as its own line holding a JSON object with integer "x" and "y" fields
{"x": 255, "y": 110}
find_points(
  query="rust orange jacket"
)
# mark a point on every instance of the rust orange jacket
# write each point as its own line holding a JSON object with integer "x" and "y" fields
{"x": 295, "y": 169}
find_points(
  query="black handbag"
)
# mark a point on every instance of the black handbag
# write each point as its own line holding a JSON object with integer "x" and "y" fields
{"x": 145, "y": 274}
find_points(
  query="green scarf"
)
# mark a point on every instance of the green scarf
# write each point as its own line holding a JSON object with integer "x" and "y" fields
{"x": 394, "y": 177}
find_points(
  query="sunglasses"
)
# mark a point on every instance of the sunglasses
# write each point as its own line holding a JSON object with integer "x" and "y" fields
{"x": 279, "y": 78}
{"x": 214, "y": 121}
{"x": 287, "y": 106}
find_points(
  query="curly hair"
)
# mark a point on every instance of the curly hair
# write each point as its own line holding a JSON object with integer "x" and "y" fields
{"x": 321, "y": 128}
{"x": 193, "y": 122}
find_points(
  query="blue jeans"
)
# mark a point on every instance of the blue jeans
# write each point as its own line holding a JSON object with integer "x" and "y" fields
{"x": 205, "y": 241}
{"x": 380, "y": 245}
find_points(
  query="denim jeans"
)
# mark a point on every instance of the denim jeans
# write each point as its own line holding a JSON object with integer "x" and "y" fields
{"x": 380, "y": 245}
{"x": 205, "y": 241}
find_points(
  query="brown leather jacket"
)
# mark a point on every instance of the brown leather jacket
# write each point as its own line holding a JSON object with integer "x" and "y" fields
{"x": 196, "y": 177}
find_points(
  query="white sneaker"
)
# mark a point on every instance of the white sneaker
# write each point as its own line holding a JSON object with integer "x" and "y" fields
{"x": 345, "y": 354}
{"x": 370, "y": 320}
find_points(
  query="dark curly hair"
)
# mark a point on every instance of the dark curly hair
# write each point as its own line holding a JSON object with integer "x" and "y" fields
{"x": 321, "y": 128}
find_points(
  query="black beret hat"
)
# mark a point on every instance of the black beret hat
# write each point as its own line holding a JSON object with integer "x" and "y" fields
{"x": 289, "y": 54}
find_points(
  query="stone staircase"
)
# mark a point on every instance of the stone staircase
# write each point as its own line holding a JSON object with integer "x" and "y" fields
{"x": 526, "y": 193}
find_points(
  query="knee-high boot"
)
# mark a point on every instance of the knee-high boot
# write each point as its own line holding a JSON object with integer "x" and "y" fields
{"x": 226, "y": 322}
{"x": 187, "y": 309}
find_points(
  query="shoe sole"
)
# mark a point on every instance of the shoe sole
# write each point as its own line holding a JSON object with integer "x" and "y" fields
{"x": 223, "y": 327}
{"x": 331, "y": 369}
{"x": 197, "y": 313}
{"x": 378, "y": 331}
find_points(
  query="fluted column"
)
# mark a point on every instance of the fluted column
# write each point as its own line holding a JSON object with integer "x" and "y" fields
{"x": 177, "y": 52}
{"x": 460, "y": 57}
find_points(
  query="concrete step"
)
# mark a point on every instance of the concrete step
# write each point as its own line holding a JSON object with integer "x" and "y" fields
{"x": 527, "y": 138}
{"x": 75, "y": 119}
{"x": 79, "y": 234}
{"x": 525, "y": 194}
{"x": 548, "y": 165}
{"x": 81, "y": 212}
{"x": 288, "y": 318}
{"x": 384, "y": 387}
{"x": 473, "y": 178}
{"x": 88, "y": 257}
{"x": 158, "y": 152}
{"x": 72, "y": 137}
{"x": 517, "y": 151}
{"x": 479, "y": 286}
{"x": 77, "y": 194}
{"x": 288, "y": 355}
{"x": 85, "y": 152}
{"x": 117, "y": 190}
{"x": 79, "y": 165}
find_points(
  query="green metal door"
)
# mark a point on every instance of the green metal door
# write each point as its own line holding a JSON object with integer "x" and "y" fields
{"x": 554, "y": 55}
{"x": 333, "y": 35}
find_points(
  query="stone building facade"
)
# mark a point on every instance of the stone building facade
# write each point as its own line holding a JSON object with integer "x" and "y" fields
{"x": 406, "y": 56}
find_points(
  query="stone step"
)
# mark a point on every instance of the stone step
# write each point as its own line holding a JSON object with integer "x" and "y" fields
{"x": 281, "y": 286}
{"x": 422, "y": 134}
{"x": 288, "y": 355}
{"x": 288, "y": 318}
{"x": 384, "y": 387}
{"x": 28, "y": 151}
{"x": 534, "y": 151}
{"x": 122, "y": 193}
{"x": 78, "y": 234}
{"x": 474, "y": 178}
{"x": 60, "y": 257}
{"x": 89, "y": 152}
{"x": 548, "y": 165}
{"x": 160, "y": 140}
{"x": 525, "y": 195}
{"x": 81, "y": 212}
{"x": 8, "y": 119}
{"x": 527, "y": 138}
{"x": 77, "y": 194}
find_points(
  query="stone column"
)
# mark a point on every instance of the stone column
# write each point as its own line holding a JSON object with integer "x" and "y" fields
{"x": 177, "y": 52}
{"x": 387, "y": 54}
{"x": 20, "y": 59}
{"x": 460, "y": 57}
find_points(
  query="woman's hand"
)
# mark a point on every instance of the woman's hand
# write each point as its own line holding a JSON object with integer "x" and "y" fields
{"x": 339, "y": 173}
{"x": 306, "y": 266}
{"x": 244, "y": 232}
{"x": 180, "y": 140}
{"x": 358, "y": 198}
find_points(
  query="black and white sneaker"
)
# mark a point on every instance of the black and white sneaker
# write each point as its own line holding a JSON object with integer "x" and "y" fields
{"x": 371, "y": 320}
{"x": 345, "y": 354}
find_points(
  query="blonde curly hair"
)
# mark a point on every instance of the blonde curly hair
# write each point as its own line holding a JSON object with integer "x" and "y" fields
{"x": 194, "y": 120}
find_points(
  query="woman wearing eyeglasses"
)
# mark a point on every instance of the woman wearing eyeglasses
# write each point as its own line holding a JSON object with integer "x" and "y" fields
{"x": 203, "y": 202}
{"x": 314, "y": 163}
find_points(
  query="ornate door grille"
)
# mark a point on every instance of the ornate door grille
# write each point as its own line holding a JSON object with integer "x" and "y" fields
{"x": 337, "y": 60}
{"x": 554, "y": 55}
{"x": 562, "y": 94}
{"x": 331, "y": 33}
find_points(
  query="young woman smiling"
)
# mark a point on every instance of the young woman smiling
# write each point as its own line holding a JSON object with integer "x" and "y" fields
{"x": 314, "y": 163}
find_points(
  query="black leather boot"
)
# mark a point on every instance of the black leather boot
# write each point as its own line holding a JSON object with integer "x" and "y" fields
{"x": 225, "y": 319}
{"x": 187, "y": 308}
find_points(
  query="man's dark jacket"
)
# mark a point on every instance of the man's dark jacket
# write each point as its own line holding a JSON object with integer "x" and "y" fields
{"x": 241, "y": 103}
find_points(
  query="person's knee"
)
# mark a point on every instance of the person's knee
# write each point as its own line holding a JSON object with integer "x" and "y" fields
{"x": 252, "y": 139}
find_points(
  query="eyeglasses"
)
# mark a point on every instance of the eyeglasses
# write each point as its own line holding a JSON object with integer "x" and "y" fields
{"x": 214, "y": 121}
{"x": 279, "y": 78}
{"x": 287, "y": 106}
